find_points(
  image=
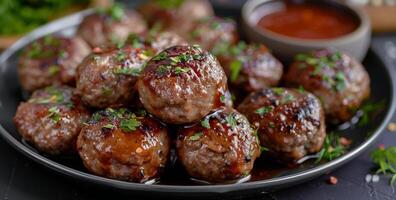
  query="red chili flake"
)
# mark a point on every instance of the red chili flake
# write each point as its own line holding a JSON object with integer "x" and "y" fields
{"x": 97, "y": 50}
{"x": 381, "y": 146}
{"x": 344, "y": 141}
{"x": 333, "y": 180}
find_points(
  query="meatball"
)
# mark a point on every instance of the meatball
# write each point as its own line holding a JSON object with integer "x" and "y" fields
{"x": 338, "y": 80}
{"x": 51, "y": 60}
{"x": 212, "y": 31}
{"x": 290, "y": 123}
{"x": 51, "y": 120}
{"x": 250, "y": 67}
{"x": 222, "y": 147}
{"x": 109, "y": 24}
{"x": 107, "y": 78}
{"x": 172, "y": 15}
{"x": 182, "y": 84}
{"x": 157, "y": 41}
{"x": 124, "y": 145}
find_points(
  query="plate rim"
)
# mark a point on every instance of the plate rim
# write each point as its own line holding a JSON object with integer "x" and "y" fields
{"x": 75, "y": 19}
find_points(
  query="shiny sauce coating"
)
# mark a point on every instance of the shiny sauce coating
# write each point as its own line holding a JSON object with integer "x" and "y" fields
{"x": 309, "y": 21}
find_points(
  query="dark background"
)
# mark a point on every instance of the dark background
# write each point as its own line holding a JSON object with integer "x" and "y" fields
{"x": 21, "y": 178}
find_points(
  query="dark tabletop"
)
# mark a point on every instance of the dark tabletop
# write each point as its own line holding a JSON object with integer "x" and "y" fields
{"x": 21, "y": 178}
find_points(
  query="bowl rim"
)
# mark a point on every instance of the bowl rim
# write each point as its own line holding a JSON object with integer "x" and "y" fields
{"x": 364, "y": 25}
{"x": 74, "y": 20}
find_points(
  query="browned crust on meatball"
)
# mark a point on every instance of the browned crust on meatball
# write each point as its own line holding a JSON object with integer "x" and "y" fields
{"x": 51, "y": 120}
{"x": 100, "y": 28}
{"x": 107, "y": 78}
{"x": 109, "y": 149}
{"x": 251, "y": 67}
{"x": 182, "y": 84}
{"x": 222, "y": 147}
{"x": 174, "y": 18}
{"x": 211, "y": 31}
{"x": 289, "y": 123}
{"x": 51, "y": 60}
{"x": 342, "y": 83}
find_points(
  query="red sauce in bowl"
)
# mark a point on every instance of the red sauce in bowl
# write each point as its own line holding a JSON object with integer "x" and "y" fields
{"x": 309, "y": 21}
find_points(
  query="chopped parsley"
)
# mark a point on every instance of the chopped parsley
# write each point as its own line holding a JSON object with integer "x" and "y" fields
{"x": 223, "y": 99}
{"x": 53, "y": 70}
{"x": 332, "y": 148}
{"x": 278, "y": 91}
{"x": 263, "y": 149}
{"x": 205, "y": 123}
{"x": 108, "y": 126}
{"x": 287, "y": 98}
{"x": 386, "y": 162}
{"x": 127, "y": 71}
{"x": 129, "y": 125}
{"x": 116, "y": 11}
{"x": 301, "y": 89}
{"x": 230, "y": 119}
{"x": 340, "y": 81}
{"x": 162, "y": 56}
{"x": 121, "y": 55}
{"x": 179, "y": 70}
{"x": 196, "y": 136}
{"x": 54, "y": 114}
{"x": 163, "y": 69}
{"x": 235, "y": 67}
{"x": 368, "y": 109}
{"x": 107, "y": 91}
{"x": 264, "y": 110}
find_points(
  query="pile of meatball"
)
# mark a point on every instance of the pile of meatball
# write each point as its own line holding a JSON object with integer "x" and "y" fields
{"x": 133, "y": 85}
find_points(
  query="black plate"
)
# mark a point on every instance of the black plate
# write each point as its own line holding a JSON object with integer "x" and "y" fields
{"x": 175, "y": 182}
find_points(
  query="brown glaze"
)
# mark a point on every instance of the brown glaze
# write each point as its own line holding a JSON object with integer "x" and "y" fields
{"x": 109, "y": 150}
{"x": 174, "y": 17}
{"x": 250, "y": 67}
{"x": 107, "y": 78}
{"x": 289, "y": 123}
{"x": 222, "y": 150}
{"x": 101, "y": 27}
{"x": 338, "y": 80}
{"x": 211, "y": 31}
{"x": 51, "y": 120}
{"x": 51, "y": 60}
{"x": 182, "y": 84}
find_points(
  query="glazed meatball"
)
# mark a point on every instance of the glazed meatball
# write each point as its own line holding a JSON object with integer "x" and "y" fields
{"x": 114, "y": 23}
{"x": 290, "y": 123}
{"x": 222, "y": 147}
{"x": 338, "y": 80}
{"x": 51, "y": 60}
{"x": 124, "y": 145}
{"x": 107, "y": 78}
{"x": 176, "y": 16}
{"x": 182, "y": 84}
{"x": 250, "y": 67}
{"x": 212, "y": 31}
{"x": 51, "y": 120}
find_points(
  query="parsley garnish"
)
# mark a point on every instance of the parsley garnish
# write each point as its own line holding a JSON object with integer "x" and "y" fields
{"x": 235, "y": 68}
{"x": 54, "y": 114}
{"x": 331, "y": 149}
{"x": 162, "y": 56}
{"x": 264, "y": 110}
{"x": 163, "y": 69}
{"x": 116, "y": 11}
{"x": 53, "y": 70}
{"x": 129, "y": 125}
{"x": 223, "y": 99}
{"x": 127, "y": 71}
{"x": 288, "y": 98}
{"x": 121, "y": 55}
{"x": 205, "y": 123}
{"x": 278, "y": 91}
{"x": 369, "y": 108}
{"x": 263, "y": 149}
{"x": 196, "y": 136}
{"x": 386, "y": 161}
{"x": 168, "y": 4}
{"x": 230, "y": 119}
{"x": 340, "y": 81}
{"x": 301, "y": 89}
{"x": 108, "y": 126}
{"x": 179, "y": 70}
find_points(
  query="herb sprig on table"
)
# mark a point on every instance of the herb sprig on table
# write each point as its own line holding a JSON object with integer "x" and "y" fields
{"x": 385, "y": 158}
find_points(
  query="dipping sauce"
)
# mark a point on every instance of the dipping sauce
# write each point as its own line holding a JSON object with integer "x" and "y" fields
{"x": 309, "y": 21}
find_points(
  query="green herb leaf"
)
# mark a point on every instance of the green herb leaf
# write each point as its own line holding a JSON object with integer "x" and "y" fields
{"x": 205, "y": 123}
{"x": 301, "y": 89}
{"x": 54, "y": 114}
{"x": 278, "y": 91}
{"x": 108, "y": 126}
{"x": 340, "y": 81}
{"x": 121, "y": 55}
{"x": 162, "y": 56}
{"x": 264, "y": 110}
{"x": 53, "y": 70}
{"x": 235, "y": 67}
{"x": 331, "y": 149}
{"x": 263, "y": 149}
{"x": 370, "y": 109}
{"x": 116, "y": 11}
{"x": 386, "y": 161}
{"x": 129, "y": 125}
{"x": 127, "y": 71}
{"x": 230, "y": 119}
{"x": 163, "y": 69}
{"x": 287, "y": 98}
{"x": 196, "y": 136}
{"x": 169, "y": 4}
{"x": 179, "y": 70}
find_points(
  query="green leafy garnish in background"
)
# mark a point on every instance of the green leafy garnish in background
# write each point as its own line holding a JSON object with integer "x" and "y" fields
{"x": 368, "y": 109}
{"x": 21, "y": 16}
{"x": 386, "y": 161}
